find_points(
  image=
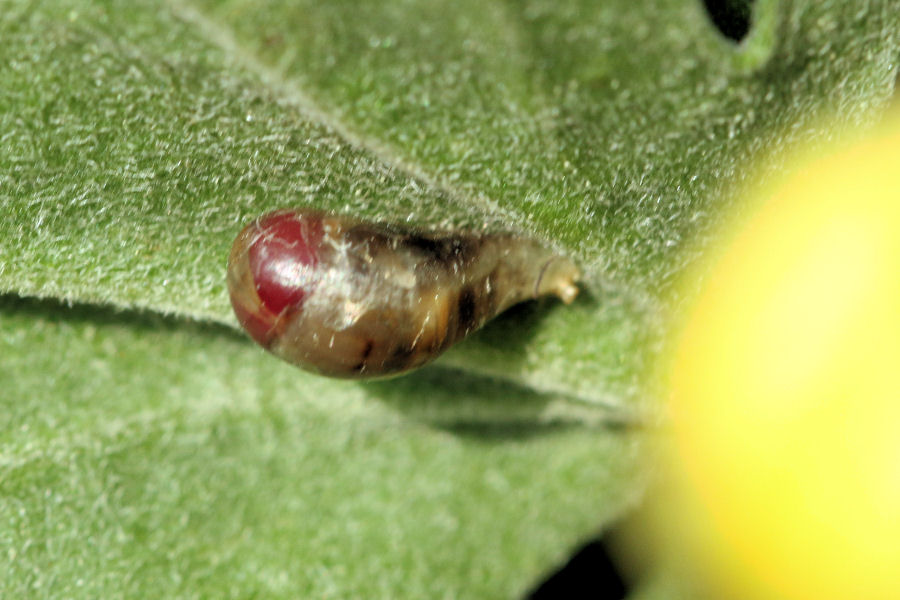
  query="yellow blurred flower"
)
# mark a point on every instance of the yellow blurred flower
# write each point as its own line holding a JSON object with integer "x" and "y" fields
{"x": 785, "y": 391}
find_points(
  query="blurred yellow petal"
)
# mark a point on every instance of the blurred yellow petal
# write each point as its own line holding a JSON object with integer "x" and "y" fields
{"x": 785, "y": 390}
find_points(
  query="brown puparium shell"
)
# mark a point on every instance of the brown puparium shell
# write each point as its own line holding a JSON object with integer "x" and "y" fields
{"x": 387, "y": 300}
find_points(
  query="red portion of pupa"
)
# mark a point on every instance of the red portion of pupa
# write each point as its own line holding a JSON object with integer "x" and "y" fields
{"x": 283, "y": 260}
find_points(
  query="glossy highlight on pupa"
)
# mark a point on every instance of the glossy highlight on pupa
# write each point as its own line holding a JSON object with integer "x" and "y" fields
{"x": 347, "y": 298}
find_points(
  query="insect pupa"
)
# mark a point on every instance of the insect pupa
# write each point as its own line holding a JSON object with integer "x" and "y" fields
{"x": 346, "y": 298}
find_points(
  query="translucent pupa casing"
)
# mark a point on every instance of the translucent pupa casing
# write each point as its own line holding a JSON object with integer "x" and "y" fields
{"x": 347, "y": 298}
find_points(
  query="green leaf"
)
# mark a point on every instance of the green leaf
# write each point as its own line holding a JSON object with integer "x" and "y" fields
{"x": 140, "y": 137}
{"x": 143, "y": 454}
